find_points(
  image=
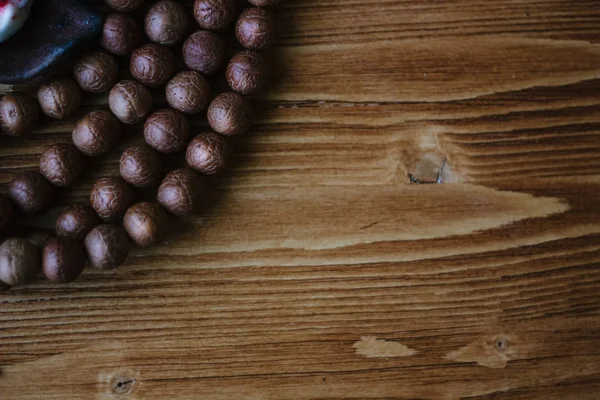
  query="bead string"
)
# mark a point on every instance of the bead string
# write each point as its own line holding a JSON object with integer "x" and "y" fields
{"x": 91, "y": 232}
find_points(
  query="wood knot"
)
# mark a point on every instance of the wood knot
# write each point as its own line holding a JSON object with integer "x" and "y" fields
{"x": 432, "y": 168}
{"x": 501, "y": 345}
{"x": 123, "y": 384}
{"x": 492, "y": 352}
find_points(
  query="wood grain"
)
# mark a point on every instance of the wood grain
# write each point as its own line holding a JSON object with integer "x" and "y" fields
{"x": 318, "y": 270}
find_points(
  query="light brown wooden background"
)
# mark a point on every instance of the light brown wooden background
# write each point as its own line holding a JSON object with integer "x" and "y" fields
{"x": 320, "y": 272}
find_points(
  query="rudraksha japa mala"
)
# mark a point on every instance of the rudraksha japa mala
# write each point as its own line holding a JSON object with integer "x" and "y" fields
{"x": 101, "y": 232}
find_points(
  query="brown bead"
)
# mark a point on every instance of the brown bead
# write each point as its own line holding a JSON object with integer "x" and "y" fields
{"x": 76, "y": 221}
{"x": 204, "y": 52}
{"x": 107, "y": 246}
{"x": 264, "y": 3}
{"x": 229, "y": 114}
{"x": 166, "y": 22}
{"x": 7, "y": 214}
{"x": 208, "y": 153}
{"x": 124, "y": 5}
{"x": 63, "y": 259}
{"x": 130, "y": 101}
{"x": 19, "y": 261}
{"x": 30, "y": 192}
{"x": 167, "y": 131}
{"x": 255, "y": 28}
{"x": 19, "y": 114}
{"x": 152, "y": 65}
{"x": 181, "y": 192}
{"x": 140, "y": 166}
{"x": 61, "y": 165}
{"x": 110, "y": 198}
{"x": 96, "y": 72}
{"x": 97, "y": 133}
{"x": 247, "y": 72}
{"x": 59, "y": 98}
{"x": 120, "y": 34}
{"x": 188, "y": 92}
{"x": 146, "y": 224}
{"x": 214, "y": 15}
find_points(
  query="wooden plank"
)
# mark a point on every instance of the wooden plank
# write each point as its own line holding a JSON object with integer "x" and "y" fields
{"x": 311, "y": 22}
{"x": 434, "y": 69}
{"x": 317, "y": 270}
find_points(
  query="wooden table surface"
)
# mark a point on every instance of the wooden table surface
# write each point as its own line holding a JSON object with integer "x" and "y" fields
{"x": 330, "y": 265}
